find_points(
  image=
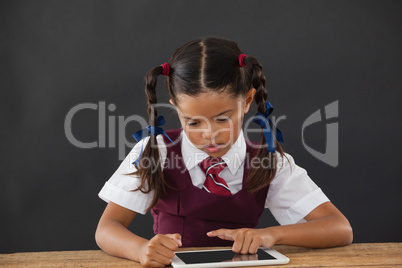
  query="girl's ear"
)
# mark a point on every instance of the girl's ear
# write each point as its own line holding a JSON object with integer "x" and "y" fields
{"x": 249, "y": 99}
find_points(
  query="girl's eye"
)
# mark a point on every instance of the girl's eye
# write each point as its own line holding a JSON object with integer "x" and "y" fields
{"x": 223, "y": 119}
{"x": 192, "y": 123}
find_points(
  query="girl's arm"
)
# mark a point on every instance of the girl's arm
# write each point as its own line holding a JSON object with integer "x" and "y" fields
{"x": 113, "y": 237}
{"x": 325, "y": 226}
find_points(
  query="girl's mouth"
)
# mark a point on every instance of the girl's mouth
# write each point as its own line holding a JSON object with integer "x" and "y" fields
{"x": 213, "y": 148}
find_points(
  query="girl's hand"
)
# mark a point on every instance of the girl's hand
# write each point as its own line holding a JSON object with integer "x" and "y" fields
{"x": 246, "y": 241}
{"x": 160, "y": 250}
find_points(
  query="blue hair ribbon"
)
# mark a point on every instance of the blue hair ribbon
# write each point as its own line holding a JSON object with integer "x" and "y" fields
{"x": 266, "y": 123}
{"x": 140, "y": 134}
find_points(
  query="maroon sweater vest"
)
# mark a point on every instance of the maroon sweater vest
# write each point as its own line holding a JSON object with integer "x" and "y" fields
{"x": 192, "y": 212}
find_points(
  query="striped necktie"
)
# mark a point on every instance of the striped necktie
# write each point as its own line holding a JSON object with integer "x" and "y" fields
{"x": 213, "y": 183}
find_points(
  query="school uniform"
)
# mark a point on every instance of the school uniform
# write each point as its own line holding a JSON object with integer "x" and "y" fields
{"x": 189, "y": 210}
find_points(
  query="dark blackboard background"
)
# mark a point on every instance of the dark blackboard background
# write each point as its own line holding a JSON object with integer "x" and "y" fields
{"x": 58, "y": 54}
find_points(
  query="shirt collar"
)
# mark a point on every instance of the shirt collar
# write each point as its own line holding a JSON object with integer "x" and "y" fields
{"x": 234, "y": 158}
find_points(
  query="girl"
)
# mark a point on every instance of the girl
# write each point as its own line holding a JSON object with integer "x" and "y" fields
{"x": 205, "y": 184}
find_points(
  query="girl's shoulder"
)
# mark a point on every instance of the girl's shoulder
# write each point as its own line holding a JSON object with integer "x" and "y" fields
{"x": 285, "y": 160}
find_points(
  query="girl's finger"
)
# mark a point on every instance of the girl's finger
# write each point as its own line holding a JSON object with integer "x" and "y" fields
{"x": 165, "y": 252}
{"x": 215, "y": 232}
{"x": 176, "y": 237}
{"x": 225, "y": 234}
{"x": 238, "y": 242}
{"x": 246, "y": 243}
{"x": 159, "y": 260}
{"x": 254, "y": 246}
{"x": 169, "y": 243}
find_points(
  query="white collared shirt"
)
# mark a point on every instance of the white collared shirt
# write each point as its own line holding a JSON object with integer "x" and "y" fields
{"x": 291, "y": 195}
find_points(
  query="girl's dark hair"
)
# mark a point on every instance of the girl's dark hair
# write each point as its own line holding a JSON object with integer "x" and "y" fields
{"x": 199, "y": 66}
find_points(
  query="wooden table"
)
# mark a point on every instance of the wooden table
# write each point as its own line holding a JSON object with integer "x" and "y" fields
{"x": 355, "y": 255}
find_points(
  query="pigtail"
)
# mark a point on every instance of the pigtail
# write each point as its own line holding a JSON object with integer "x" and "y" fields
{"x": 149, "y": 167}
{"x": 262, "y": 174}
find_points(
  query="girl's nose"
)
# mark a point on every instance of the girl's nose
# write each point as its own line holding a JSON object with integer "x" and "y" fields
{"x": 210, "y": 133}
{"x": 207, "y": 135}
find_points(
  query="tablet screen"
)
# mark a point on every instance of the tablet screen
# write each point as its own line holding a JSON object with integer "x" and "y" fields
{"x": 221, "y": 256}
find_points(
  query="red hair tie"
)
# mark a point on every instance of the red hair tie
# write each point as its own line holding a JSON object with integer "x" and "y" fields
{"x": 166, "y": 69}
{"x": 241, "y": 60}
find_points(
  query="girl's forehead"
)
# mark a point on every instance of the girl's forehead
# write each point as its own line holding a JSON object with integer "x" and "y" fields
{"x": 208, "y": 104}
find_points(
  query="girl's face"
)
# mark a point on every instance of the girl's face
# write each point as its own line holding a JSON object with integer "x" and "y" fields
{"x": 212, "y": 121}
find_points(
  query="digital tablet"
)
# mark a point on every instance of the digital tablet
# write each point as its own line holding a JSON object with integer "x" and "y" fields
{"x": 227, "y": 258}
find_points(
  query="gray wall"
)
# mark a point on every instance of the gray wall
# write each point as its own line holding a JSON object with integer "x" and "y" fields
{"x": 59, "y": 54}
